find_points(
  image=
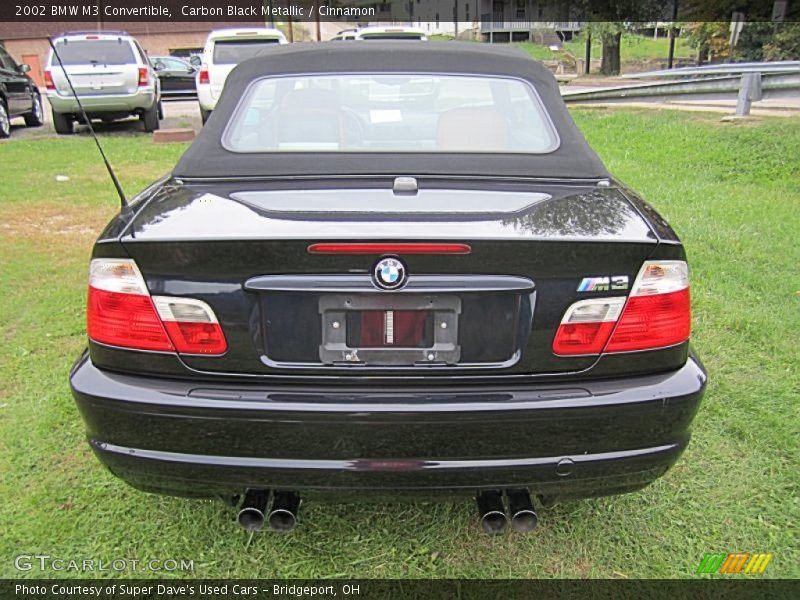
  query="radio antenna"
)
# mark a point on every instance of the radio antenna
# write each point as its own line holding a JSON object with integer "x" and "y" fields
{"x": 126, "y": 209}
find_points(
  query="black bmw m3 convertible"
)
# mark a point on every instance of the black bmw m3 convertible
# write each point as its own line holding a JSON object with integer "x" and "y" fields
{"x": 391, "y": 269}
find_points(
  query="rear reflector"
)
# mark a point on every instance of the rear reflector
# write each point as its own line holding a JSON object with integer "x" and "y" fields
{"x": 657, "y": 314}
{"x": 370, "y": 248}
{"x": 120, "y": 312}
{"x": 48, "y": 81}
{"x": 203, "y": 77}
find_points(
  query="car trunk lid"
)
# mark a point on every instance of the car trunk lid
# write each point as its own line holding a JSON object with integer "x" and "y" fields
{"x": 246, "y": 250}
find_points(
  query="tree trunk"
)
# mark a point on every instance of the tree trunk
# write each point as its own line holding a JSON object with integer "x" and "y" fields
{"x": 610, "y": 63}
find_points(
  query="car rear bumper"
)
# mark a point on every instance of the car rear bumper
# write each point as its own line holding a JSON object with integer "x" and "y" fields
{"x": 101, "y": 103}
{"x": 209, "y": 439}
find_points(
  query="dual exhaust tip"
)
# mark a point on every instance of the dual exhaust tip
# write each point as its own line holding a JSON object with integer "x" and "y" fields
{"x": 282, "y": 515}
{"x": 494, "y": 517}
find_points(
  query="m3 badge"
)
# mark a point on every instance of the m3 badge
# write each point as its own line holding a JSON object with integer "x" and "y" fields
{"x": 613, "y": 283}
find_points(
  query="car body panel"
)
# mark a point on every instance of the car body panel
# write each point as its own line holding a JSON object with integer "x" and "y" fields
{"x": 15, "y": 86}
{"x": 198, "y": 438}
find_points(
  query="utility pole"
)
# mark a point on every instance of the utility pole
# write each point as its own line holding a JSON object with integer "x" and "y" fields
{"x": 455, "y": 17}
{"x": 671, "y": 55}
{"x": 588, "y": 53}
{"x": 291, "y": 27}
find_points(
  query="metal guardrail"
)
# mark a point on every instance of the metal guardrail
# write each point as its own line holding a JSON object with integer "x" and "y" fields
{"x": 785, "y": 66}
{"x": 746, "y": 88}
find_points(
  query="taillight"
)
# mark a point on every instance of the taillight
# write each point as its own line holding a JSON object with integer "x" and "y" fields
{"x": 49, "y": 84}
{"x": 120, "y": 312}
{"x": 586, "y": 326}
{"x": 191, "y": 325}
{"x": 204, "y": 77}
{"x": 657, "y": 314}
{"x": 144, "y": 77}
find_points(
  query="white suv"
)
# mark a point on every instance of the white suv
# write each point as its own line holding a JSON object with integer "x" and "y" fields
{"x": 111, "y": 75}
{"x": 224, "y": 49}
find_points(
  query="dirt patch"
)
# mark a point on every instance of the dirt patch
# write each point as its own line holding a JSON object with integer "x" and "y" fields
{"x": 53, "y": 222}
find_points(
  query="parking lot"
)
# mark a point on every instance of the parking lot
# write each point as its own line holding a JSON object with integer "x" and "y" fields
{"x": 177, "y": 113}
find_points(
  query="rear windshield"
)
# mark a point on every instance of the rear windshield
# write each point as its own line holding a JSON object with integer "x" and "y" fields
{"x": 390, "y": 113}
{"x": 104, "y": 52}
{"x": 232, "y": 52}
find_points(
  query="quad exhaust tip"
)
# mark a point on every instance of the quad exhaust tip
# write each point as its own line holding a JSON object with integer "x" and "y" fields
{"x": 493, "y": 515}
{"x": 254, "y": 507}
{"x": 282, "y": 516}
{"x": 520, "y": 508}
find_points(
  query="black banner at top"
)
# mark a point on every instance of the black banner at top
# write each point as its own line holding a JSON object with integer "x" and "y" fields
{"x": 396, "y": 11}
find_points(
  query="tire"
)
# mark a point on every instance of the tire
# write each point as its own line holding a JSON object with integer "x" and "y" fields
{"x": 204, "y": 115}
{"x": 5, "y": 122}
{"x": 160, "y": 111}
{"x": 150, "y": 118}
{"x": 62, "y": 123}
{"x": 35, "y": 118}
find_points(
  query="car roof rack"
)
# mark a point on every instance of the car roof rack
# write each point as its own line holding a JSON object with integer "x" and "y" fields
{"x": 92, "y": 32}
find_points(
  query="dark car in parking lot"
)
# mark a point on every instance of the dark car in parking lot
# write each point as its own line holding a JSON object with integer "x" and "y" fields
{"x": 176, "y": 75}
{"x": 19, "y": 96}
{"x": 349, "y": 286}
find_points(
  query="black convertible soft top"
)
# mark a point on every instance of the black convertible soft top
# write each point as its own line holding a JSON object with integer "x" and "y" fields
{"x": 572, "y": 159}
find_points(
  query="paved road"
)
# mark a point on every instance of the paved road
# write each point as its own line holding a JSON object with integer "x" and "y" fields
{"x": 177, "y": 113}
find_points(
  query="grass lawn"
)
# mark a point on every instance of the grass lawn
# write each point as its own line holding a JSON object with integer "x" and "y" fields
{"x": 732, "y": 191}
{"x": 634, "y": 48}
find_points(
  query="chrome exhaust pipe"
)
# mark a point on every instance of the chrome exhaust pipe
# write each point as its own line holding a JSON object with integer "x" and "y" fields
{"x": 283, "y": 514}
{"x": 254, "y": 507}
{"x": 520, "y": 507}
{"x": 491, "y": 511}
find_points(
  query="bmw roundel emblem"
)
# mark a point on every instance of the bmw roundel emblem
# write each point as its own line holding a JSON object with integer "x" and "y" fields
{"x": 389, "y": 273}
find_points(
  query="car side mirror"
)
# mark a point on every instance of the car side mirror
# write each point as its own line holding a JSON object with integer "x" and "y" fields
{"x": 159, "y": 66}
{"x": 195, "y": 61}
{"x": 23, "y": 68}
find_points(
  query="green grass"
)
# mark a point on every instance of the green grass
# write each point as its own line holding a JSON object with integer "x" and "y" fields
{"x": 732, "y": 191}
{"x": 634, "y": 47}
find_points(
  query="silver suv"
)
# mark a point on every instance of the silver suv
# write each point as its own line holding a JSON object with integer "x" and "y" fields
{"x": 112, "y": 77}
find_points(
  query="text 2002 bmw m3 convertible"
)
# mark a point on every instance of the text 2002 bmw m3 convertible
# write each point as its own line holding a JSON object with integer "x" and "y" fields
{"x": 389, "y": 269}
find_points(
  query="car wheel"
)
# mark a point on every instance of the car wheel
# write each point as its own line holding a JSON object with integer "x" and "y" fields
{"x": 5, "y": 122}
{"x": 160, "y": 111}
{"x": 35, "y": 118}
{"x": 62, "y": 123}
{"x": 204, "y": 115}
{"x": 150, "y": 119}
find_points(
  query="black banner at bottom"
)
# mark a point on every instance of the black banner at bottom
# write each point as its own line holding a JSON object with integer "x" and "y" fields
{"x": 177, "y": 589}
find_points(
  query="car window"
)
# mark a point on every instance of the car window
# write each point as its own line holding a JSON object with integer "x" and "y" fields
{"x": 390, "y": 113}
{"x": 6, "y": 62}
{"x": 175, "y": 64}
{"x": 232, "y": 52}
{"x": 104, "y": 52}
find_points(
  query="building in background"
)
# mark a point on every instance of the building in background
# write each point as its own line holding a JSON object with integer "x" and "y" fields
{"x": 27, "y": 42}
